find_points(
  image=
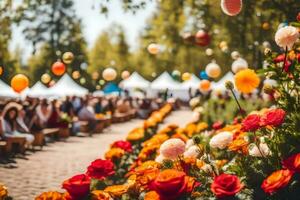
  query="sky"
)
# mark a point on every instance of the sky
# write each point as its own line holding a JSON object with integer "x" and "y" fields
{"x": 94, "y": 23}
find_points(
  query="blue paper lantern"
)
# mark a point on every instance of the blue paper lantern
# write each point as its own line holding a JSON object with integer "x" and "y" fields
{"x": 203, "y": 75}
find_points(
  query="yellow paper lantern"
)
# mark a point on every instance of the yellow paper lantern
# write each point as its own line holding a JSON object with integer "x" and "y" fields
{"x": 76, "y": 75}
{"x": 186, "y": 76}
{"x": 213, "y": 70}
{"x": 95, "y": 75}
{"x": 68, "y": 57}
{"x": 125, "y": 75}
{"x": 153, "y": 48}
{"x": 109, "y": 74}
{"x": 266, "y": 26}
{"x": 45, "y": 78}
{"x": 204, "y": 85}
{"x": 19, "y": 82}
{"x": 223, "y": 45}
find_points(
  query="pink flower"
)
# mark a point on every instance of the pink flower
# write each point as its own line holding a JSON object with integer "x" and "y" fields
{"x": 286, "y": 36}
{"x": 172, "y": 148}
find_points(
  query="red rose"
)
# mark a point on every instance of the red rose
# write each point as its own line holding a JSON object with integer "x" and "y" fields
{"x": 273, "y": 117}
{"x": 126, "y": 146}
{"x": 292, "y": 163}
{"x": 279, "y": 58}
{"x": 251, "y": 123}
{"x": 217, "y": 125}
{"x": 298, "y": 17}
{"x": 100, "y": 169}
{"x": 298, "y": 57}
{"x": 78, "y": 186}
{"x": 277, "y": 180}
{"x": 226, "y": 185}
{"x": 287, "y": 65}
{"x": 171, "y": 184}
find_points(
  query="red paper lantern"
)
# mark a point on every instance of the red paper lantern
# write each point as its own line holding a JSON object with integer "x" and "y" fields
{"x": 202, "y": 38}
{"x": 231, "y": 7}
{"x": 19, "y": 82}
{"x": 58, "y": 68}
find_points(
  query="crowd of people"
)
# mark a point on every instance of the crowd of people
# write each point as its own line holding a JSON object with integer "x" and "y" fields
{"x": 25, "y": 118}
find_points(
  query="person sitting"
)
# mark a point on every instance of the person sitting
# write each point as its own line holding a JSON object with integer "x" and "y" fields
{"x": 12, "y": 123}
{"x": 54, "y": 120}
{"x": 43, "y": 111}
{"x": 144, "y": 109}
{"x": 87, "y": 113}
{"x": 123, "y": 106}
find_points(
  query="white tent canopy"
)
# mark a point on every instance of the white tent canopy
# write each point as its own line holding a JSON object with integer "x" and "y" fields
{"x": 38, "y": 90}
{"x": 7, "y": 91}
{"x": 165, "y": 81}
{"x": 134, "y": 81}
{"x": 193, "y": 83}
{"x": 66, "y": 86}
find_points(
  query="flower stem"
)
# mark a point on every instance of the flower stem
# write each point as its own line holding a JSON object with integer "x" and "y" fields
{"x": 285, "y": 58}
{"x": 237, "y": 102}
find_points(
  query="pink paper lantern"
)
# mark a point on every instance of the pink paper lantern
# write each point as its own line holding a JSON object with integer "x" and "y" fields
{"x": 231, "y": 7}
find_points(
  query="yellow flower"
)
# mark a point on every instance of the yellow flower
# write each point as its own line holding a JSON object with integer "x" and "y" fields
{"x": 100, "y": 195}
{"x": 135, "y": 134}
{"x": 3, "y": 191}
{"x": 116, "y": 190}
{"x": 114, "y": 153}
{"x": 246, "y": 81}
{"x": 50, "y": 196}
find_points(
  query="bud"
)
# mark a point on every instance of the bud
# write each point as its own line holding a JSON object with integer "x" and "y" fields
{"x": 197, "y": 140}
{"x": 229, "y": 85}
{"x": 267, "y": 52}
{"x": 268, "y": 89}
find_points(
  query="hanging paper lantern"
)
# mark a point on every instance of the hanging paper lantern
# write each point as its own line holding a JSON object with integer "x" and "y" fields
{"x": 76, "y": 75}
{"x": 95, "y": 75}
{"x": 19, "y": 82}
{"x": 52, "y": 83}
{"x": 45, "y": 78}
{"x": 204, "y": 85}
{"x": 213, "y": 70}
{"x": 266, "y": 26}
{"x": 109, "y": 74}
{"x": 235, "y": 55}
{"x": 153, "y": 48}
{"x": 203, "y": 75}
{"x": 209, "y": 52}
{"x": 1, "y": 70}
{"x": 58, "y": 68}
{"x": 176, "y": 74}
{"x": 83, "y": 66}
{"x": 239, "y": 65}
{"x": 231, "y": 7}
{"x": 101, "y": 82}
{"x": 68, "y": 57}
{"x": 153, "y": 74}
{"x": 202, "y": 38}
{"x": 125, "y": 75}
{"x": 82, "y": 81}
{"x": 186, "y": 76}
{"x": 98, "y": 87}
{"x": 223, "y": 44}
{"x": 188, "y": 37}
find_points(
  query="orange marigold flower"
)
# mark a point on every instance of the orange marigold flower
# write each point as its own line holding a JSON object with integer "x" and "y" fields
{"x": 152, "y": 195}
{"x": 201, "y": 126}
{"x": 246, "y": 81}
{"x": 3, "y": 191}
{"x": 277, "y": 180}
{"x": 116, "y": 190}
{"x": 100, "y": 195}
{"x": 136, "y": 134}
{"x": 51, "y": 195}
{"x": 190, "y": 129}
{"x": 114, "y": 153}
{"x": 239, "y": 145}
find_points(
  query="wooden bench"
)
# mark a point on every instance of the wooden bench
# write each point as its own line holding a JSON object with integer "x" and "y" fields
{"x": 99, "y": 126}
{"x": 19, "y": 141}
{"x": 120, "y": 117}
{"x": 39, "y": 137}
{"x": 3, "y": 146}
{"x": 84, "y": 126}
{"x": 64, "y": 133}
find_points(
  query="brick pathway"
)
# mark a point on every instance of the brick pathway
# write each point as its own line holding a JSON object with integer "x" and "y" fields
{"x": 45, "y": 170}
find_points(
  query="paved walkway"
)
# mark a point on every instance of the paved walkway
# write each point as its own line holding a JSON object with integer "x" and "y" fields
{"x": 45, "y": 170}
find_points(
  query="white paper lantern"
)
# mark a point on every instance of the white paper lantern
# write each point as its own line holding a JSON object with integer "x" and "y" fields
{"x": 239, "y": 65}
{"x": 231, "y": 7}
{"x": 213, "y": 70}
{"x": 153, "y": 48}
{"x": 235, "y": 55}
{"x": 109, "y": 74}
{"x": 209, "y": 52}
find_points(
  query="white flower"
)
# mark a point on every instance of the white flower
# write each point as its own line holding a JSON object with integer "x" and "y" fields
{"x": 263, "y": 150}
{"x": 286, "y": 36}
{"x": 172, "y": 148}
{"x": 195, "y": 116}
{"x": 207, "y": 168}
{"x": 189, "y": 144}
{"x": 192, "y": 152}
{"x": 160, "y": 159}
{"x": 221, "y": 140}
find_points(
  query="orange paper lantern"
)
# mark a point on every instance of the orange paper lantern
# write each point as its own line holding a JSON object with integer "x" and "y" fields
{"x": 125, "y": 75}
{"x": 109, "y": 74}
{"x": 204, "y": 85}
{"x": 231, "y": 7}
{"x": 19, "y": 82}
{"x": 58, "y": 68}
{"x": 153, "y": 48}
{"x": 76, "y": 75}
{"x": 1, "y": 71}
